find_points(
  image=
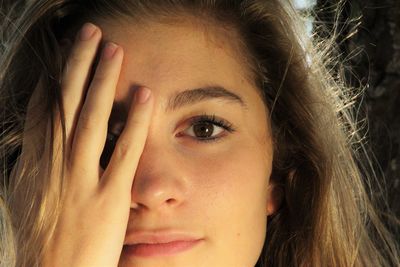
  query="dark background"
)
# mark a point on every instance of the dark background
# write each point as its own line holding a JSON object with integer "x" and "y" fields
{"x": 371, "y": 39}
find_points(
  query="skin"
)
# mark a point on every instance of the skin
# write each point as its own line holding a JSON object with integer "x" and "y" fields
{"x": 218, "y": 191}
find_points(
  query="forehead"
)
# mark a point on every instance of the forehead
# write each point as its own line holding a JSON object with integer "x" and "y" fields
{"x": 164, "y": 49}
{"x": 169, "y": 58}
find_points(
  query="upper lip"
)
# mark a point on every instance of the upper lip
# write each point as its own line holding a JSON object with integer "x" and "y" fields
{"x": 157, "y": 237}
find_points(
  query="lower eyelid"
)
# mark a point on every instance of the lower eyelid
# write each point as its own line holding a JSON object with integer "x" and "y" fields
{"x": 221, "y": 136}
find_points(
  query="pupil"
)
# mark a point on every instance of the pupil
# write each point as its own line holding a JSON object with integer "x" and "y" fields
{"x": 203, "y": 130}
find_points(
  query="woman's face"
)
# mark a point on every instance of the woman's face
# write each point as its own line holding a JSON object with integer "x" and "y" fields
{"x": 216, "y": 191}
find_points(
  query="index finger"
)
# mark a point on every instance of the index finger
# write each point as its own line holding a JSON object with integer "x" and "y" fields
{"x": 125, "y": 158}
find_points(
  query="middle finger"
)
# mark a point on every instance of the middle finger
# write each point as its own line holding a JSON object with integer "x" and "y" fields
{"x": 91, "y": 130}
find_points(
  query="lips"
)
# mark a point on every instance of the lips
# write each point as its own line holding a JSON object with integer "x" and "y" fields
{"x": 158, "y": 243}
{"x": 157, "y": 237}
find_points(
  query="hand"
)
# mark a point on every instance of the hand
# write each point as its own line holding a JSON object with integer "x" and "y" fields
{"x": 94, "y": 214}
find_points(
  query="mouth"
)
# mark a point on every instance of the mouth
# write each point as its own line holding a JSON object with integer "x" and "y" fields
{"x": 159, "y": 249}
{"x": 158, "y": 243}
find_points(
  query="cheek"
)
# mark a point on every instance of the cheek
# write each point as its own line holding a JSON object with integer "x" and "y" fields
{"x": 231, "y": 191}
{"x": 240, "y": 173}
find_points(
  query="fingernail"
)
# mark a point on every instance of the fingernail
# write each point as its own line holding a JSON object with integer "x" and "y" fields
{"x": 87, "y": 31}
{"x": 142, "y": 95}
{"x": 109, "y": 50}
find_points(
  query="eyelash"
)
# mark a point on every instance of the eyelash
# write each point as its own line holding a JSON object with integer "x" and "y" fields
{"x": 211, "y": 119}
{"x": 204, "y": 118}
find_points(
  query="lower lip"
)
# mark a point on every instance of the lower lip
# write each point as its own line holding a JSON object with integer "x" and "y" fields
{"x": 162, "y": 249}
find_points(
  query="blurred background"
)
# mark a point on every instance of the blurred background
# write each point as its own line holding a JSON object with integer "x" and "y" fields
{"x": 369, "y": 44}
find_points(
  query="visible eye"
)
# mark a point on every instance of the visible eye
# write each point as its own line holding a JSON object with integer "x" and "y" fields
{"x": 108, "y": 150}
{"x": 202, "y": 128}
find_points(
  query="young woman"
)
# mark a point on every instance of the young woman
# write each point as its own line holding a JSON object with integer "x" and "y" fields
{"x": 177, "y": 133}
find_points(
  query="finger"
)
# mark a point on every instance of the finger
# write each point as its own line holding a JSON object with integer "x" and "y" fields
{"x": 125, "y": 158}
{"x": 76, "y": 75}
{"x": 91, "y": 130}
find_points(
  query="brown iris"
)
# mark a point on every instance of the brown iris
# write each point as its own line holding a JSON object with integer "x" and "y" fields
{"x": 203, "y": 130}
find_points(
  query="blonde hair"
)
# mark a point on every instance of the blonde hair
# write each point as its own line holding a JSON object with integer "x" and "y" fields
{"x": 328, "y": 217}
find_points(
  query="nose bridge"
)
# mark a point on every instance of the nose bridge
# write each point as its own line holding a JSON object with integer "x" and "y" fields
{"x": 158, "y": 182}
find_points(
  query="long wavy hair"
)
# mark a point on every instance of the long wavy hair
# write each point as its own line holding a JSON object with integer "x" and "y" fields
{"x": 328, "y": 216}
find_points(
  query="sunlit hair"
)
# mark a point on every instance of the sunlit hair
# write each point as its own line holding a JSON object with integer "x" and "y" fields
{"x": 327, "y": 217}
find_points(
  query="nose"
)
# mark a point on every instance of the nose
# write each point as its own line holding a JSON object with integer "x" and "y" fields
{"x": 159, "y": 183}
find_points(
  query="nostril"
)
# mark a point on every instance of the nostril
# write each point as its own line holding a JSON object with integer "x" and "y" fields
{"x": 171, "y": 201}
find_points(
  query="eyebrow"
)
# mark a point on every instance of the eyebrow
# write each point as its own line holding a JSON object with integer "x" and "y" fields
{"x": 193, "y": 96}
{"x": 184, "y": 98}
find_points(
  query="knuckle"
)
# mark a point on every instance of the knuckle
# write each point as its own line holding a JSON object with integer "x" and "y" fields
{"x": 136, "y": 122}
{"x": 103, "y": 72}
{"x": 122, "y": 149}
{"x": 77, "y": 57}
{"x": 88, "y": 122}
{"x": 98, "y": 79}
